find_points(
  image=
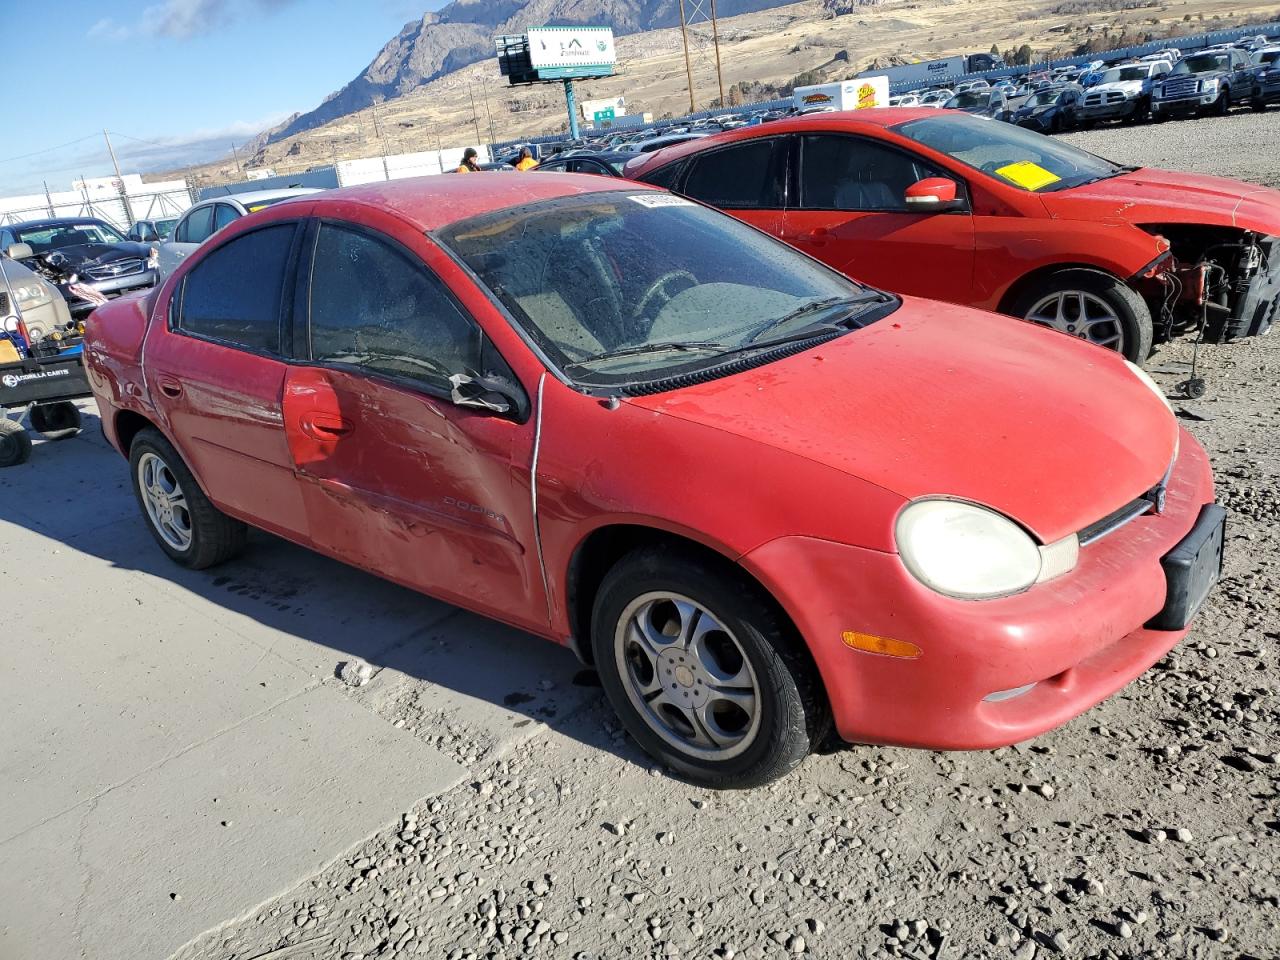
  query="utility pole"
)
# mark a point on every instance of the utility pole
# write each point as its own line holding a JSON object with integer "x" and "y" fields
{"x": 484, "y": 86}
{"x": 124, "y": 194}
{"x": 474, "y": 116}
{"x": 236, "y": 153}
{"x": 715, "y": 35}
{"x": 688, "y": 68}
{"x": 48, "y": 198}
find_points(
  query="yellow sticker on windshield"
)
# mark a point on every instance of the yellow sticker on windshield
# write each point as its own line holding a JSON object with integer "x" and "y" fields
{"x": 1027, "y": 175}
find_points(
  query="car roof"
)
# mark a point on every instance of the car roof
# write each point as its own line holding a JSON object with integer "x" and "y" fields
{"x": 257, "y": 196}
{"x": 433, "y": 202}
{"x": 53, "y": 222}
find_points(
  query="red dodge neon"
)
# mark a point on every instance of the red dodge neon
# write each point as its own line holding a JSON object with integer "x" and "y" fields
{"x": 944, "y": 205}
{"x": 757, "y": 496}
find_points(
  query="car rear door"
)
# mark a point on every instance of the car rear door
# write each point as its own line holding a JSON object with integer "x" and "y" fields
{"x": 746, "y": 178}
{"x": 848, "y": 210}
{"x": 397, "y": 477}
{"x": 216, "y": 372}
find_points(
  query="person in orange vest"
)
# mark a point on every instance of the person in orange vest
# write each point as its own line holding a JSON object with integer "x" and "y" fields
{"x": 526, "y": 161}
{"x": 470, "y": 161}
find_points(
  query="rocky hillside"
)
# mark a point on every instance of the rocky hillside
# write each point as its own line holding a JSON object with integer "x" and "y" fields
{"x": 462, "y": 33}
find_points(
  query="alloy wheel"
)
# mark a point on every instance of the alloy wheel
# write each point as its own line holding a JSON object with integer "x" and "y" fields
{"x": 687, "y": 676}
{"x": 165, "y": 501}
{"x": 1080, "y": 314}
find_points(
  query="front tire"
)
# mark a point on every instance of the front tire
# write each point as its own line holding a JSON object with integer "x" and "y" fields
{"x": 1093, "y": 306}
{"x": 188, "y": 528}
{"x": 56, "y": 421}
{"x": 15, "y": 445}
{"x": 704, "y": 670}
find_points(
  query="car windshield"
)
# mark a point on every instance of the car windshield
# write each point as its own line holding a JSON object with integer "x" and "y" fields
{"x": 55, "y": 236}
{"x": 1011, "y": 154}
{"x": 633, "y": 287}
{"x": 971, "y": 98}
{"x": 1203, "y": 63}
{"x": 1044, "y": 98}
{"x": 165, "y": 227}
{"x": 1125, "y": 74}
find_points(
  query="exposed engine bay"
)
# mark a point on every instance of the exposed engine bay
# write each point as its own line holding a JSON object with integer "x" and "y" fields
{"x": 1223, "y": 278}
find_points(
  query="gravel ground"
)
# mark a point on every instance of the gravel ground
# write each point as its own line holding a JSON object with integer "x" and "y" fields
{"x": 1150, "y": 827}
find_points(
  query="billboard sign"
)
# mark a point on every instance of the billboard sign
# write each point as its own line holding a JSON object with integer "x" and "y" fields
{"x": 586, "y": 49}
{"x": 614, "y": 106}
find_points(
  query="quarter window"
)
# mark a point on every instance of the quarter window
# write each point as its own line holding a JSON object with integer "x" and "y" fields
{"x": 234, "y": 294}
{"x": 744, "y": 176}
{"x": 197, "y": 226}
{"x": 224, "y": 214}
{"x": 375, "y": 307}
{"x": 850, "y": 173}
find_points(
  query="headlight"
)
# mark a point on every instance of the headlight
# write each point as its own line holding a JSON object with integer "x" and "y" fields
{"x": 1210, "y": 85}
{"x": 966, "y": 551}
{"x": 1157, "y": 93}
{"x": 153, "y": 259}
{"x": 1151, "y": 384}
{"x": 32, "y": 295}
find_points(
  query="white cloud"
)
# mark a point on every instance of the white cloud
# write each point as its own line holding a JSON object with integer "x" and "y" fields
{"x": 108, "y": 29}
{"x": 184, "y": 19}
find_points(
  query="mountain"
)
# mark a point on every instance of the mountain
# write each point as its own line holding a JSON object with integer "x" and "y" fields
{"x": 462, "y": 33}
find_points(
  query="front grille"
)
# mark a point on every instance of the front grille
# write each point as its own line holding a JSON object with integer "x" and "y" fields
{"x": 117, "y": 268}
{"x": 1107, "y": 98}
{"x": 1181, "y": 87}
{"x": 4, "y": 304}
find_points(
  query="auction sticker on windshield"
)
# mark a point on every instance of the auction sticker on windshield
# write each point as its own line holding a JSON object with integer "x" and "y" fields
{"x": 1027, "y": 175}
{"x": 661, "y": 200}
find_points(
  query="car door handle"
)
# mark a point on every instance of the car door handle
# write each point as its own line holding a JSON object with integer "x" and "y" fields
{"x": 170, "y": 387}
{"x": 325, "y": 427}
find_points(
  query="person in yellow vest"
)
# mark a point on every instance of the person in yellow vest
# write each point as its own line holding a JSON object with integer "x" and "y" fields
{"x": 526, "y": 161}
{"x": 470, "y": 161}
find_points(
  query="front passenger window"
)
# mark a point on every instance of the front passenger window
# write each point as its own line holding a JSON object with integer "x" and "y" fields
{"x": 850, "y": 173}
{"x": 375, "y": 306}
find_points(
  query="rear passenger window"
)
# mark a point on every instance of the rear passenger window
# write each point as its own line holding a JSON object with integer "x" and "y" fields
{"x": 197, "y": 227}
{"x": 234, "y": 294}
{"x": 375, "y": 306}
{"x": 744, "y": 176}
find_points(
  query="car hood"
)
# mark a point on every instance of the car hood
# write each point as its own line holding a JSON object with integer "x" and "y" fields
{"x": 1127, "y": 87}
{"x": 939, "y": 400}
{"x": 82, "y": 255}
{"x": 1162, "y": 196}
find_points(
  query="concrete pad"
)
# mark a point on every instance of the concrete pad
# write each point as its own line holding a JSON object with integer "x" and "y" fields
{"x": 297, "y": 786}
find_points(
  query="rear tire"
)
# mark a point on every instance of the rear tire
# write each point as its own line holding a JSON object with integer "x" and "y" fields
{"x": 56, "y": 421}
{"x": 15, "y": 445}
{"x": 704, "y": 670}
{"x": 1099, "y": 293}
{"x": 189, "y": 529}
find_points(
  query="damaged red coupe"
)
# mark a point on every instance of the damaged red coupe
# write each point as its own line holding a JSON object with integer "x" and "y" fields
{"x": 756, "y": 495}
{"x": 944, "y": 205}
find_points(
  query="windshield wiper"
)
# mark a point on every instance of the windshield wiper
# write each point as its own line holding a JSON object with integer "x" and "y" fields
{"x": 640, "y": 349}
{"x": 814, "y": 306}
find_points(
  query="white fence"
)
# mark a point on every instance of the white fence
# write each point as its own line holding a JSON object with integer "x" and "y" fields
{"x": 401, "y": 165}
{"x": 119, "y": 202}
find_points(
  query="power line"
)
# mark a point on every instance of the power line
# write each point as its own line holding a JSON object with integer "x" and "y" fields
{"x": 36, "y": 153}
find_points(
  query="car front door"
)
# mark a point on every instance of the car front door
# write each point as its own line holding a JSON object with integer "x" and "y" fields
{"x": 216, "y": 374}
{"x": 849, "y": 211}
{"x": 746, "y": 179}
{"x": 193, "y": 229}
{"x": 1243, "y": 79}
{"x": 399, "y": 478}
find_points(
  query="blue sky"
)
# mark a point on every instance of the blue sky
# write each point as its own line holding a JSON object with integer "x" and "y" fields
{"x": 188, "y": 76}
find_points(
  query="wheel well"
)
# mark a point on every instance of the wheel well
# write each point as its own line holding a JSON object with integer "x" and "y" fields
{"x": 128, "y": 425}
{"x": 1039, "y": 275}
{"x": 603, "y": 548}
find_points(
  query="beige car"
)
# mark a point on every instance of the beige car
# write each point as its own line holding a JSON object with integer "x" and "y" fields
{"x": 25, "y": 294}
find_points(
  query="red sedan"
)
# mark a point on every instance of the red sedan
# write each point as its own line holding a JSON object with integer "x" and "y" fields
{"x": 756, "y": 495}
{"x": 944, "y": 205}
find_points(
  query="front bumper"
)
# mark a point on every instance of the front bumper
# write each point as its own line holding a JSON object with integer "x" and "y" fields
{"x": 1184, "y": 105}
{"x": 1269, "y": 90}
{"x": 1077, "y": 639}
{"x": 112, "y": 288}
{"x": 1107, "y": 111}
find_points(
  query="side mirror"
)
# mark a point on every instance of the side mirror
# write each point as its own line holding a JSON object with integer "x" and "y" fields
{"x": 933, "y": 195}
{"x": 495, "y": 394}
{"x": 20, "y": 251}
